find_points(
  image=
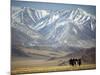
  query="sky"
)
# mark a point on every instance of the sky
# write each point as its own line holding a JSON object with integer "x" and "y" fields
{"x": 54, "y": 6}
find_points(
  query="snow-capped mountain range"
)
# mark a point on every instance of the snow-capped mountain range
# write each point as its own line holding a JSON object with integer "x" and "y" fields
{"x": 74, "y": 27}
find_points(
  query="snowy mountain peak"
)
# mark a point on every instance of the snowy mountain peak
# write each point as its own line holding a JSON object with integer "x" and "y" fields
{"x": 61, "y": 26}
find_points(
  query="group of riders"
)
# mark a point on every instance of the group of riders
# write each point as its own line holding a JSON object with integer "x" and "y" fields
{"x": 74, "y": 62}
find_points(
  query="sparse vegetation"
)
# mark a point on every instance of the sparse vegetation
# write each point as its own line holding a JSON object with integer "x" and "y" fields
{"x": 51, "y": 69}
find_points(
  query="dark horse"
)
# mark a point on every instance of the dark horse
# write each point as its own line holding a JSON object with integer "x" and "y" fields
{"x": 74, "y": 62}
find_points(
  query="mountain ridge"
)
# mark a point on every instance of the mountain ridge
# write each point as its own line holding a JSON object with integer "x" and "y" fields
{"x": 69, "y": 27}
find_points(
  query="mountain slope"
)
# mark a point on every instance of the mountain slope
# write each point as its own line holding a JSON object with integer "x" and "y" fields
{"x": 63, "y": 27}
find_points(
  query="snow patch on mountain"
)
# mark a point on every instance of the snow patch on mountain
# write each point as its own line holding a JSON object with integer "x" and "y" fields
{"x": 60, "y": 27}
